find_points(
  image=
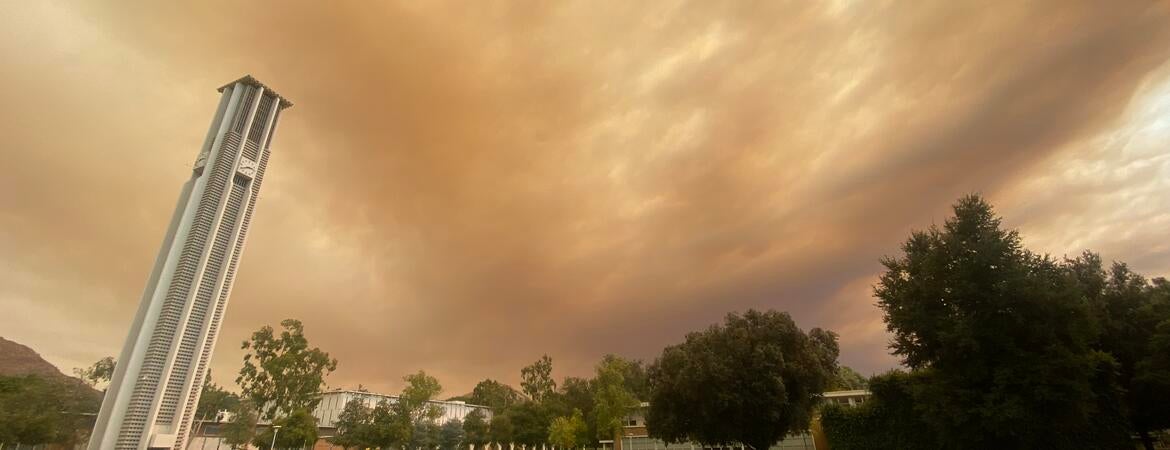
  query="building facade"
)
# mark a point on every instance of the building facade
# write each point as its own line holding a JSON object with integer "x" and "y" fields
{"x": 209, "y": 436}
{"x": 151, "y": 400}
{"x": 333, "y": 402}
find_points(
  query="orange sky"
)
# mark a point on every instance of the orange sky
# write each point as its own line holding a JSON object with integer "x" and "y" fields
{"x": 463, "y": 186}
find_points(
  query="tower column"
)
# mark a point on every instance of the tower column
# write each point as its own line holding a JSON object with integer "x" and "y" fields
{"x": 155, "y": 388}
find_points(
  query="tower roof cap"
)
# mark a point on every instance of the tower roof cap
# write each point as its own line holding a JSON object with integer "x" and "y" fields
{"x": 252, "y": 81}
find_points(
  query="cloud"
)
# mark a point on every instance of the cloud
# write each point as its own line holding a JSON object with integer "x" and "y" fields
{"x": 464, "y": 187}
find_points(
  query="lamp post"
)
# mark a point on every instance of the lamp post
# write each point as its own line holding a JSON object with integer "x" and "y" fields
{"x": 275, "y": 429}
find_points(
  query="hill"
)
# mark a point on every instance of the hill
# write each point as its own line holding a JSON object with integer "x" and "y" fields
{"x": 18, "y": 360}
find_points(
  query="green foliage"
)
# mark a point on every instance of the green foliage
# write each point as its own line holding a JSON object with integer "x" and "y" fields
{"x": 36, "y": 410}
{"x": 568, "y": 432}
{"x": 389, "y": 426}
{"x": 502, "y": 430}
{"x": 214, "y": 399}
{"x": 612, "y": 400}
{"x": 352, "y": 426}
{"x": 99, "y": 373}
{"x": 847, "y": 379}
{"x": 297, "y": 430}
{"x": 537, "y": 381}
{"x": 240, "y": 430}
{"x": 529, "y": 423}
{"x": 451, "y": 435}
{"x": 1133, "y": 315}
{"x": 887, "y": 421}
{"x": 1001, "y": 337}
{"x": 425, "y": 435}
{"x": 281, "y": 373}
{"x": 420, "y": 389}
{"x": 495, "y": 395}
{"x": 576, "y": 394}
{"x": 475, "y": 428}
{"x": 751, "y": 380}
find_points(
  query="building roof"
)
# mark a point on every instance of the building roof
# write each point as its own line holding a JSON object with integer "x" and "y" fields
{"x": 375, "y": 394}
{"x": 252, "y": 81}
{"x": 854, "y": 393}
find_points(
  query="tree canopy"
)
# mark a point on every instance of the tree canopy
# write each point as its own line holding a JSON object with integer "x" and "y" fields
{"x": 297, "y": 430}
{"x": 214, "y": 399}
{"x": 612, "y": 399}
{"x": 569, "y": 431}
{"x": 475, "y": 428}
{"x": 537, "y": 379}
{"x": 750, "y": 380}
{"x": 240, "y": 430}
{"x": 282, "y": 374}
{"x": 415, "y": 397}
{"x": 494, "y": 394}
{"x": 1133, "y": 316}
{"x": 35, "y": 410}
{"x": 1001, "y": 339}
{"x": 847, "y": 379}
{"x": 451, "y": 435}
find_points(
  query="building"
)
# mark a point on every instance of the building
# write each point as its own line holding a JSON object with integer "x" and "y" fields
{"x": 333, "y": 402}
{"x": 635, "y": 437}
{"x": 151, "y": 400}
{"x": 209, "y": 435}
{"x": 846, "y": 398}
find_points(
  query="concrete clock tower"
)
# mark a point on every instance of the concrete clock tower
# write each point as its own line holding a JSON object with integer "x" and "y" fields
{"x": 151, "y": 400}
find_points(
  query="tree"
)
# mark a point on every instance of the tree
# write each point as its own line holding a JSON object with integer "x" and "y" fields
{"x": 999, "y": 339}
{"x": 353, "y": 426}
{"x": 887, "y": 421}
{"x": 751, "y": 380}
{"x": 415, "y": 399}
{"x": 99, "y": 374}
{"x": 36, "y": 410}
{"x": 297, "y": 430}
{"x": 537, "y": 379}
{"x": 529, "y": 423}
{"x": 475, "y": 428}
{"x": 390, "y": 425}
{"x": 568, "y": 432}
{"x": 281, "y": 373}
{"x": 426, "y": 435}
{"x": 1129, "y": 311}
{"x": 501, "y": 430}
{"x": 634, "y": 375}
{"x": 214, "y": 399}
{"x": 847, "y": 379}
{"x": 577, "y": 394}
{"x": 451, "y": 435}
{"x": 612, "y": 400}
{"x": 240, "y": 430}
{"x": 495, "y": 395}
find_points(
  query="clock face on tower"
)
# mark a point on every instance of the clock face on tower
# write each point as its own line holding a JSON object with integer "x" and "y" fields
{"x": 247, "y": 168}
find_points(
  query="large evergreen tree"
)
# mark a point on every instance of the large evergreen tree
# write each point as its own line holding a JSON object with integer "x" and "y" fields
{"x": 1001, "y": 339}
